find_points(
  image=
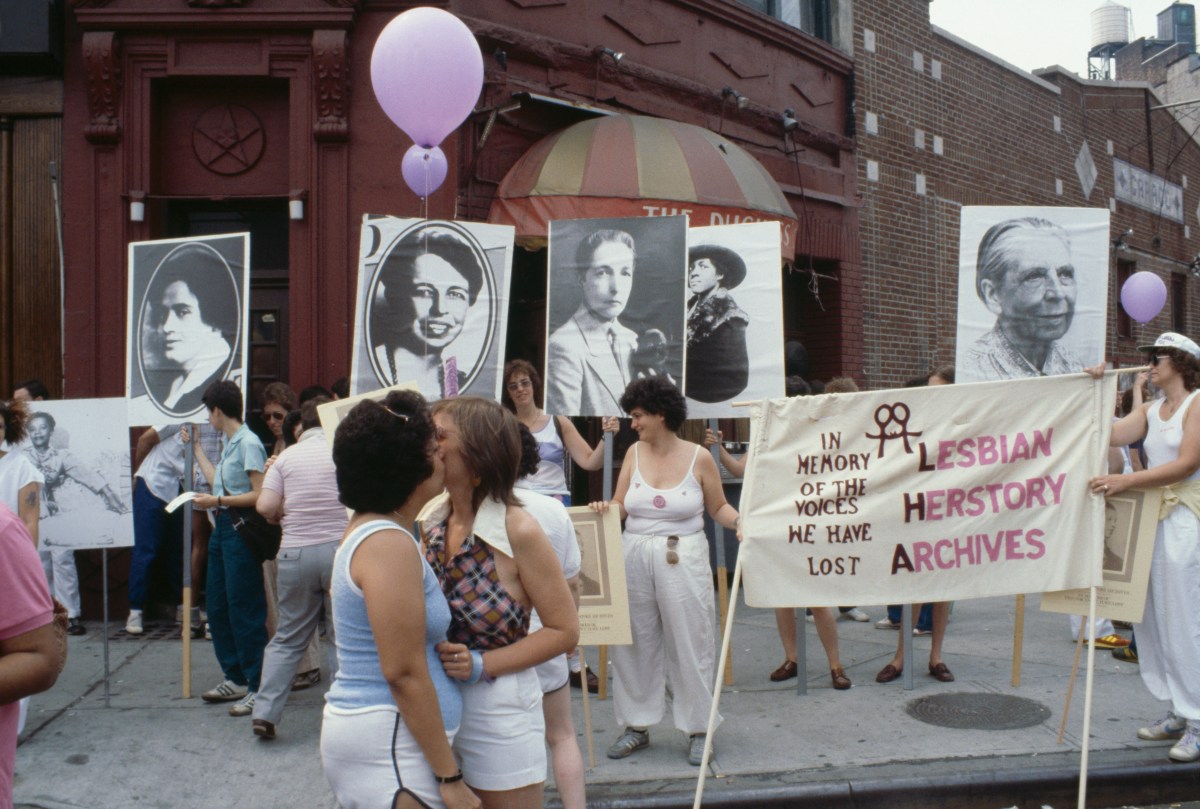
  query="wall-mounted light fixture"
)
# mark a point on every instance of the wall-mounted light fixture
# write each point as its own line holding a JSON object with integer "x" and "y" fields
{"x": 501, "y": 57}
{"x": 1120, "y": 242}
{"x": 788, "y": 120}
{"x": 728, "y": 92}
{"x": 137, "y": 206}
{"x": 616, "y": 56}
{"x": 296, "y": 204}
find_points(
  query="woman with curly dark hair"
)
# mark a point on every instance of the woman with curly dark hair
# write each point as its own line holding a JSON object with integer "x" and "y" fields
{"x": 718, "y": 366}
{"x": 666, "y": 485}
{"x": 391, "y": 712}
{"x": 1169, "y": 635}
{"x": 495, "y": 564}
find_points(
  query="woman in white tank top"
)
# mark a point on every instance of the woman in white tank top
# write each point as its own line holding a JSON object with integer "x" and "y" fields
{"x": 666, "y": 485}
{"x": 1169, "y": 635}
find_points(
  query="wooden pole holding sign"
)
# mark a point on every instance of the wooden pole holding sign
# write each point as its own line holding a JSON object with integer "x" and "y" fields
{"x": 189, "y": 458}
{"x": 712, "y": 713}
{"x": 602, "y": 663}
{"x": 722, "y": 571}
{"x": 1018, "y": 640}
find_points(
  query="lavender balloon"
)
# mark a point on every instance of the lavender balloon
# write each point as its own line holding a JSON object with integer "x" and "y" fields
{"x": 424, "y": 170}
{"x": 1143, "y": 296}
{"x": 427, "y": 72}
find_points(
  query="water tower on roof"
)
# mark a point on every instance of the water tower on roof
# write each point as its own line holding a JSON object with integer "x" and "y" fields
{"x": 1112, "y": 28}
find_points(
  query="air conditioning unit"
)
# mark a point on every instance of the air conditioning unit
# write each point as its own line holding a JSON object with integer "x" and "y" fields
{"x": 31, "y": 36}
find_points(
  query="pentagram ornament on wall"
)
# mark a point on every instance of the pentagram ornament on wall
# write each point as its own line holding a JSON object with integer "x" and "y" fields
{"x": 228, "y": 139}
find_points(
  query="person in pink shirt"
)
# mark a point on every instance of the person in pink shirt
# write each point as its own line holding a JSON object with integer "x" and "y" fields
{"x": 32, "y": 649}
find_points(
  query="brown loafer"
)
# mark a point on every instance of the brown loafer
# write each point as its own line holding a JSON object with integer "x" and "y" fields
{"x": 785, "y": 672}
{"x": 941, "y": 672}
{"x": 888, "y": 673}
{"x": 840, "y": 681}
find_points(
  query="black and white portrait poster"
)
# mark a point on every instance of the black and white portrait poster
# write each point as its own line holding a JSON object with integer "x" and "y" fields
{"x": 432, "y": 306}
{"x": 81, "y": 447}
{"x": 188, "y": 306}
{"x": 734, "y": 345}
{"x": 615, "y": 309}
{"x": 1032, "y": 291}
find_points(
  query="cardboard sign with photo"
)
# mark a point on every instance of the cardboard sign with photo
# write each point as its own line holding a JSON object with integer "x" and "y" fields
{"x": 432, "y": 306}
{"x": 1032, "y": 291}
{"x": 81, "y": 447}
{"x": 603, "y": 598}
{"x": 187, "y": 309}
{"x": 615, "y": 309}
{"x": 734, "y": 346}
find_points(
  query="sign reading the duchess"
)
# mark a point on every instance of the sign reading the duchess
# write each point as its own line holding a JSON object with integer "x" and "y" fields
{"x": 925, "y": 494}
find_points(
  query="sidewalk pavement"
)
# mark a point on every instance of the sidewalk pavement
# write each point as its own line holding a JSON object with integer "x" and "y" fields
{"x": 775, "y": 748}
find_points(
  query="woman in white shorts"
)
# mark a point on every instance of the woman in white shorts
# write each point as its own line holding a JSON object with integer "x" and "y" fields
{"x": 495, "y": 564}
{"x": 392, "y": 712}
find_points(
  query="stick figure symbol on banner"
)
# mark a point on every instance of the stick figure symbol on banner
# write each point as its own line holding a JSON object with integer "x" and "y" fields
{"x": 886, "y": 415}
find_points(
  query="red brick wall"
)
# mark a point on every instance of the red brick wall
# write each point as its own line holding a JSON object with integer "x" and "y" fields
{"x": 999, "y": 148}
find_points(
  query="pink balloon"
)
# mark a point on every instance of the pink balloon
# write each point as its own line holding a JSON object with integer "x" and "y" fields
{"x": 1143, "y": 296}
{"x": 427, "y": 72}
{"x": 424, "y": 170}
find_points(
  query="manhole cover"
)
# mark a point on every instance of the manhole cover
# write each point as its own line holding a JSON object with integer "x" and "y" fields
{"x": 978, "y": 711}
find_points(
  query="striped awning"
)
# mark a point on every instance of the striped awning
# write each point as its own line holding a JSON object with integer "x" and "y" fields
{"x": 633, "y": 165}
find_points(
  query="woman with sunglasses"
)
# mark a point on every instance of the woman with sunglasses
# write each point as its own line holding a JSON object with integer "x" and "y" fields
{"x": 1169, "y": 635}
{"x": 556, "y": 435}
{"x": 278, "y": 399}
{"x": 665, "y": 486}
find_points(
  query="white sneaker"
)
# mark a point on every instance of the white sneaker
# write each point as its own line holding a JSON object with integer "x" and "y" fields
{"x": 244, "y": 706}
{"x": 133, "y": 624}
{"x": 226, "y": 691}
{"x": 1187, "y": 748}
{"x": 1169, "y": 727}
{"x": 886, "y": 623}
{"x": 855, "y": 614}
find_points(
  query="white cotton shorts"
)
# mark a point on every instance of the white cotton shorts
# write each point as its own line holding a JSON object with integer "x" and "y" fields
{"x": 502, "y": 739}
{"x": 552, "y": 675}
{"x": 357, "y": 753}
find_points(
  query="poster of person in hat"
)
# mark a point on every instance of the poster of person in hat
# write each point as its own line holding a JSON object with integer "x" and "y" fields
{"x": 733, "y": 270}
{"x": 187, "y": 303}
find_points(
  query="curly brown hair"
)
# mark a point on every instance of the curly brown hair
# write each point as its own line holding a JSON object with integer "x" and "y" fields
{"x": 280, "y": 393}
{"x": 1184, "y": 363}
{"x": 15, "y": 414}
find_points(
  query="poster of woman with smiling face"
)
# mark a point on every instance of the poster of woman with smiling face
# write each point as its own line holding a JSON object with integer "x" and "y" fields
{"x": 187, "y": 305}
{"x": 432, "y": 306}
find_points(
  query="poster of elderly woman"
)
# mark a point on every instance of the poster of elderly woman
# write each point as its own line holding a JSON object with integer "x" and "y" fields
{"x": 733, "y": 270}
{"x": 81, "y": 447}
{"x": 188, "y": 302}
{"x": 432, "y": 306}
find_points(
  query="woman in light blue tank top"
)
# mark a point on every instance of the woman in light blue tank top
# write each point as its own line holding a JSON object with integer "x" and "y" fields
{"x": 391, "y": 713}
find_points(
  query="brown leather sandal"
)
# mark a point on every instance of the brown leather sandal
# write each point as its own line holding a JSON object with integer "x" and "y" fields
{"x": 785, "y": 672}
{"x": 840, "y": 681}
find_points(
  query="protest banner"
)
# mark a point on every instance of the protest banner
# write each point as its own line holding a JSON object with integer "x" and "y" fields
{"x": 925, "y": 494}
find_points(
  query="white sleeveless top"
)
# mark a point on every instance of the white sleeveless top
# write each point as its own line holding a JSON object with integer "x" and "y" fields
{"x": 1163, "y": 438}
{"x": 660, "y": 512}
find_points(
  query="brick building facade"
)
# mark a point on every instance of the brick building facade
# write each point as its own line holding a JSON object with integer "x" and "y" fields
{"x": 942, "y": 124}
